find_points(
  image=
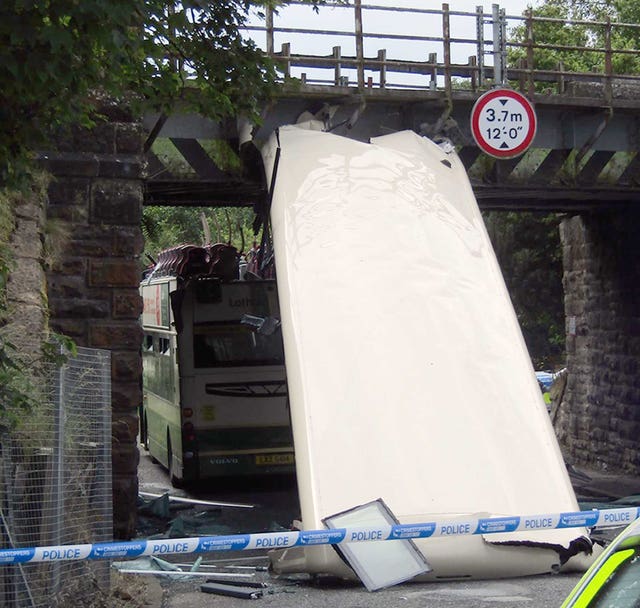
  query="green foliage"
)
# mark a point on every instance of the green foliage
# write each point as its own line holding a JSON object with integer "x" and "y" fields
{"x": 18, "y": 367}
{"x": 58, "y": 56}
{"x": 527, "y": 245}
{"x": 15, "y": 391}
{"x": 6, "y": 227}
{"x": 528, "y": 249}
{"x": 9, "y": 199}
{"x": 20, "y": 377}
{"x": 165, "y": 227}
{"x": 57, "y": 349}
{"x": 583, "y": 36}
{"x": 7, "y": 224}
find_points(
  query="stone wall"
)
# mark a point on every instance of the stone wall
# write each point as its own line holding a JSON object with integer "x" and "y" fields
{"x": 598, "y": 421}
{"x": 26, "y": 288}
{"x": 95, "y": 198}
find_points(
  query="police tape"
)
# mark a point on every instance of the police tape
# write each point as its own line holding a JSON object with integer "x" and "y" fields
{"x": 603, "y": 518}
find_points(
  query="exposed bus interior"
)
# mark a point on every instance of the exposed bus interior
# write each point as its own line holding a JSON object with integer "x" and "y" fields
{"x": 388, "y": 356}
{"x": 215, "y": 399}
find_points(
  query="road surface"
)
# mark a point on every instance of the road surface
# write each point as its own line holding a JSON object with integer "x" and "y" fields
{"x": 276, "y": 505}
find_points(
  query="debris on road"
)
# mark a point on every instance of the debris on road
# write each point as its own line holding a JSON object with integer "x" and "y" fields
{"x": 194, "y": 501}
{"x": 158, "y": 516}
{"x": 377, "y": 564}
{"x": 156, "y": 566}
{"x": 247, "y": 593}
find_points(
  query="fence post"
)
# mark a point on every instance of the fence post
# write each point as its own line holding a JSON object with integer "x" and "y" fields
{"x": 433, "y": 68}
{"x": 382, "y": 58}
{"x": 473, "y": 71}
{"x": 562, "y": 89}
{"x": 499, "y": 50}
{"x": 608, "y": 63}
{"x": 57, "y": 484}
{"x": 269, "y": 28}
{"x": 357, "y": 7}
{"x": 285, "y": 53}
{"x": 531, "y": 88}
{"x": 337, "y": 68}
{"x": 446, "y": 43}
{"x": 480, "y": 44}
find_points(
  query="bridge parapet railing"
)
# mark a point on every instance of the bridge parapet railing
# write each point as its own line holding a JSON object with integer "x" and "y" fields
{"x": 378, "y": 46}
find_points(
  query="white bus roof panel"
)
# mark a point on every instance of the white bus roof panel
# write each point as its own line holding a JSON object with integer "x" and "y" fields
{"x": 408, "y": 376}
{"x": 156, "y": 310}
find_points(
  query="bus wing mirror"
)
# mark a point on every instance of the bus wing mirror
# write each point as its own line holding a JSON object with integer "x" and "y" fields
{"x": 265, "y": 326}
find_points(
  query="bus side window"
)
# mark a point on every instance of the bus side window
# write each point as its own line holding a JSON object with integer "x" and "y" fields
{"x": 164, "y": 346}
{"x": 147, "y": 343}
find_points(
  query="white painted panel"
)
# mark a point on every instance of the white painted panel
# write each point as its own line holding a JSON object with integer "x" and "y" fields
{"x": 408, "y": 376}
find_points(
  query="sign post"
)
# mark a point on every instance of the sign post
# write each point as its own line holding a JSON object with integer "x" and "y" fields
{"x": 503, "y": 123}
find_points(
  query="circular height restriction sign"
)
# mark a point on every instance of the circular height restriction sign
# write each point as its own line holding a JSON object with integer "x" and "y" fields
{"x": 503, "y": 123}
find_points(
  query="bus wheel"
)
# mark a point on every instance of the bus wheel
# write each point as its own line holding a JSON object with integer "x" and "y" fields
{"x": 176, "y": 482}
{"x": 145, "y": 440}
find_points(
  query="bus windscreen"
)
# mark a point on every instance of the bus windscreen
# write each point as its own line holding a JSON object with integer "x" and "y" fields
{"x": 233, "y": 344}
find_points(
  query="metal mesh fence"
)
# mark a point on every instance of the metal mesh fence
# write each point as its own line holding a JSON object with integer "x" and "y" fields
{"x": 55, "y": 483}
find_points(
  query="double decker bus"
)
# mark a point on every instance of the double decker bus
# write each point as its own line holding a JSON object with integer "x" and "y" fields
{"x": 214, "y": 387}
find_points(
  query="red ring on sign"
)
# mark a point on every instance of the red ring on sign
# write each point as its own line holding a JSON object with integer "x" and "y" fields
{"x": 475, "y": 123}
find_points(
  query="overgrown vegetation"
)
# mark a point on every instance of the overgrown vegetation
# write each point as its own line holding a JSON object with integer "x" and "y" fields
{"x": 19, "y": 365}
{"x": 580, "y": 38}
{"x": 528, "y": 249}
{"x": 14, "y": 390}
{"x": 527, "y": 244}
{"x": 58, "y": 57}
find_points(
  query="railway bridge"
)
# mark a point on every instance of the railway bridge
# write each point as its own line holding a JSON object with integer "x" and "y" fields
{"x": 422, "y": 70}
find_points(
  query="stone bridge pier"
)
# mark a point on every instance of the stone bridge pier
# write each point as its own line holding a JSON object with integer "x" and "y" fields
{"x": 95, "y": 204}
{"x": 598, "y": 419}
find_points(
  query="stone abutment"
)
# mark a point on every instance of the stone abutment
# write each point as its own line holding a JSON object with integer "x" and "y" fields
{"x": 598, "y": 420}
{"x": 95, "y": 202}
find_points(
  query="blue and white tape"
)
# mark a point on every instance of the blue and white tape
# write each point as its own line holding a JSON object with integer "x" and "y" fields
{"x": 604, "y": 518}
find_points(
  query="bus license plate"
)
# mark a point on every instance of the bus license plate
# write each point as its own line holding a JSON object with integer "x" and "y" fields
{"x": 274, "y": 459}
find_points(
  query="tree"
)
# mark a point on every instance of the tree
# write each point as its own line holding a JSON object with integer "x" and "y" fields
{"x": 165, "y": 227}
{"x": 57, "y": 55}
{"x": 528, "y": 249}
{"x": 581, "y": 26}
{"x": 527, "y": 244}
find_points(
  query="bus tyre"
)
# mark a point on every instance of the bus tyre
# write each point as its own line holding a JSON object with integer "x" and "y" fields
{"x": 176, "y": 482}
{"x": 154, "y": 460}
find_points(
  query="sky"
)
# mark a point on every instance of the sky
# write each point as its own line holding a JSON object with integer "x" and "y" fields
{"x": 386, "y": 22}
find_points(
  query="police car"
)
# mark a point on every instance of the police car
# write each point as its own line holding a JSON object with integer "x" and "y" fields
{"x": 613, "y": 581}
{"x": 545, "y": 379}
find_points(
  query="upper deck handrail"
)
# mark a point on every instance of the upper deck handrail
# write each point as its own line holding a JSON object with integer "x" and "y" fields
{"x": 498, "y": 56}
